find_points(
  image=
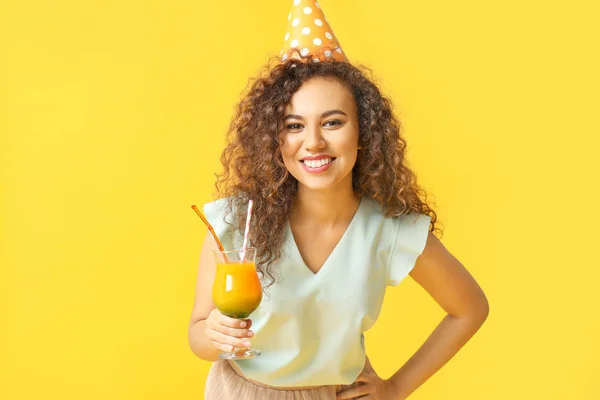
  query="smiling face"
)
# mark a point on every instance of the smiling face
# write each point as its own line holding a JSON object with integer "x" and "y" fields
{"x": 320, "y": 135}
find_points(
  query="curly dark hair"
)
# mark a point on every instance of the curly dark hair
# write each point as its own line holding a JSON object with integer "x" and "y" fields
{"x": 254, "y": 168}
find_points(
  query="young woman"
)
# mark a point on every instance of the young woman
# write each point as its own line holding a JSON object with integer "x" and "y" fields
{"x": 338, "y": 216}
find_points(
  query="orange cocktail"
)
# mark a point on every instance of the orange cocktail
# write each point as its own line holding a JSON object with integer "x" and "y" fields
{"x": 237, "y": 291}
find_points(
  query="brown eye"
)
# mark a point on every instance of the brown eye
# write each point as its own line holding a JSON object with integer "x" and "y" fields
{"x": 333, "y": 122}
{"x": 294, "y": 127}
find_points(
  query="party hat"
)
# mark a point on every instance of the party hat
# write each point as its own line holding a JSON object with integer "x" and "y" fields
{"x": 309, "y": 33}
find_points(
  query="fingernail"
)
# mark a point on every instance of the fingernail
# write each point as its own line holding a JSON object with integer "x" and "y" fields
{"x": 247, "y": 343}
{"x": 250, "y": 333}
{"x": 243, "y": 324}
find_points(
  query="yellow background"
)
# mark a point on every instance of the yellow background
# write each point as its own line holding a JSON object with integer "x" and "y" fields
{"x": 112, "y": 119}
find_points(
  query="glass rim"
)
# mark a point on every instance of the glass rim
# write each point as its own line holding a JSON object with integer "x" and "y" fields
{"x": 235, "y": 251}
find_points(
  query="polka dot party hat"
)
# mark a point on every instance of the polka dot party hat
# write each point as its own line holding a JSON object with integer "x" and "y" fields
{"x": 309, "y": 33}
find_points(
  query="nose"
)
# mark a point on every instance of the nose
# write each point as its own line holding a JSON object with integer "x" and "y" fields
{"x": 313, "y": 139}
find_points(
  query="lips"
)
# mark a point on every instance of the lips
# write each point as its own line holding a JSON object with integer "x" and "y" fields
{"x": 315, "y": 165}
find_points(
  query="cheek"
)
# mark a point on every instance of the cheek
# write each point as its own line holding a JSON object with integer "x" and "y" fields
{"x": 349, "y": 144}
{"x": 349, "y": 148}
{"x": 289, "y": 147}
{"x": 287, "y": 155}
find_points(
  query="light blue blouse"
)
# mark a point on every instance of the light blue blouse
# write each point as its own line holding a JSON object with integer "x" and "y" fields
{"x": 310, "y": 326}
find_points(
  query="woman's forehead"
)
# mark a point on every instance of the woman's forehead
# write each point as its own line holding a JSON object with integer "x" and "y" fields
{"x": 321, "y": 94}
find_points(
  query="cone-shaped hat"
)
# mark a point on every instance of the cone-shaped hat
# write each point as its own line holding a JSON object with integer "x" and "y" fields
{"x": 309, "y": 32}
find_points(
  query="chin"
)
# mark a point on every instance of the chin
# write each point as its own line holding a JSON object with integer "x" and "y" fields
{"x": 317, "y": 186}
{"x": 322, "y": 182}
{"x": 319, "y": 183}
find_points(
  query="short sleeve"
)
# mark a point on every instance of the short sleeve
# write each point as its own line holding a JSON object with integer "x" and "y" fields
{"x": 216, "y": 214}
{"x": 411, "y": 235}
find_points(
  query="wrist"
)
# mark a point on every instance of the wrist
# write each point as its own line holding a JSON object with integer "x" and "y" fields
{"x": 396, "y": 390}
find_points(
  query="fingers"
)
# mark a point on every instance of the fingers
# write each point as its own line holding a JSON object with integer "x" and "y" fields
{"x": 222, "y": 347}
{"x": 227, "y": 340}
{"x": 226, "y": 333}
{"x": 245, "y": 323}
{"x": 234, "y": 327}
{"x": 225, "y": 347}
{"x": 353, "y": 392}
{"x": 364, "y": 378}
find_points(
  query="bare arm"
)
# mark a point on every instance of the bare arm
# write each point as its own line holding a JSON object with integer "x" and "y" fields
{"x": 209, "y": 331}
{"x": 457, "y": 292}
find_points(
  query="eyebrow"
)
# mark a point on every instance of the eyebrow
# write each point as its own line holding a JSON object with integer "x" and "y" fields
{"x": 324, "y": 115}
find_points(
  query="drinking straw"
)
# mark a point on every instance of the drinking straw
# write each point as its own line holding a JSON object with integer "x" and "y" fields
{"x": 210, "y": 228}
{"x": 247, "y": 231}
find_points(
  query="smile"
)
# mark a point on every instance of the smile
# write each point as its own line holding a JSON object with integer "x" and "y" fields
{"x": 316, "y": 166}
{"x": 317, "y": 163}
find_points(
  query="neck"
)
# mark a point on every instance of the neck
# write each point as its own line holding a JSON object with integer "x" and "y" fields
{"x": 325, "y": 207}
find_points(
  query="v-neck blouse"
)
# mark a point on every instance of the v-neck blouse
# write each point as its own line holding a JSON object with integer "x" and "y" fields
{"x": 310, "y": 326}
{"x": 295, "y": 251}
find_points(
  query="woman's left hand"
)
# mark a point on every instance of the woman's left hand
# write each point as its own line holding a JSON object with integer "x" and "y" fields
{"x": 372, "y": 387}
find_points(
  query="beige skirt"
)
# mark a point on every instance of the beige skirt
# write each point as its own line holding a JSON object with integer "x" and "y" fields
{"x": 225, "y": 383}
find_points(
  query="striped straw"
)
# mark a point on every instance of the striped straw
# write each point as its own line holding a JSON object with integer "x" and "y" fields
{"x": 247, "y": 231}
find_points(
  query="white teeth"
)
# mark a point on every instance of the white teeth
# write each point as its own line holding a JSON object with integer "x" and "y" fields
{"x": 317, "y": 163}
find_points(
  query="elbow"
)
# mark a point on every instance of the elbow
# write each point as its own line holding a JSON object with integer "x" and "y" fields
{"x": 485, "y": 308}
{"x": 481, "y": 311}
{"x": 476, "y": 313}
{"x": 193, "y": 341}
{"x": 198, "y": 343}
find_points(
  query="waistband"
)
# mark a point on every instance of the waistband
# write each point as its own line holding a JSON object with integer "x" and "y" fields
{"x": 237, "y": 370}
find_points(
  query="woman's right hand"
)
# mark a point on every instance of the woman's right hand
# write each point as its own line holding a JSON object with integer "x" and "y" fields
{"x": 225, "y": 333}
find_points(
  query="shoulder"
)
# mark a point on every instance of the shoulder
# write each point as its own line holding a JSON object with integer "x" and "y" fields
{"x": 373, "y": 210}
{"x": 220, "y": 216}
{"x": 219, "y": 212}
{"x": 216, "y": 208}
{"x": 399, "y": 240}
